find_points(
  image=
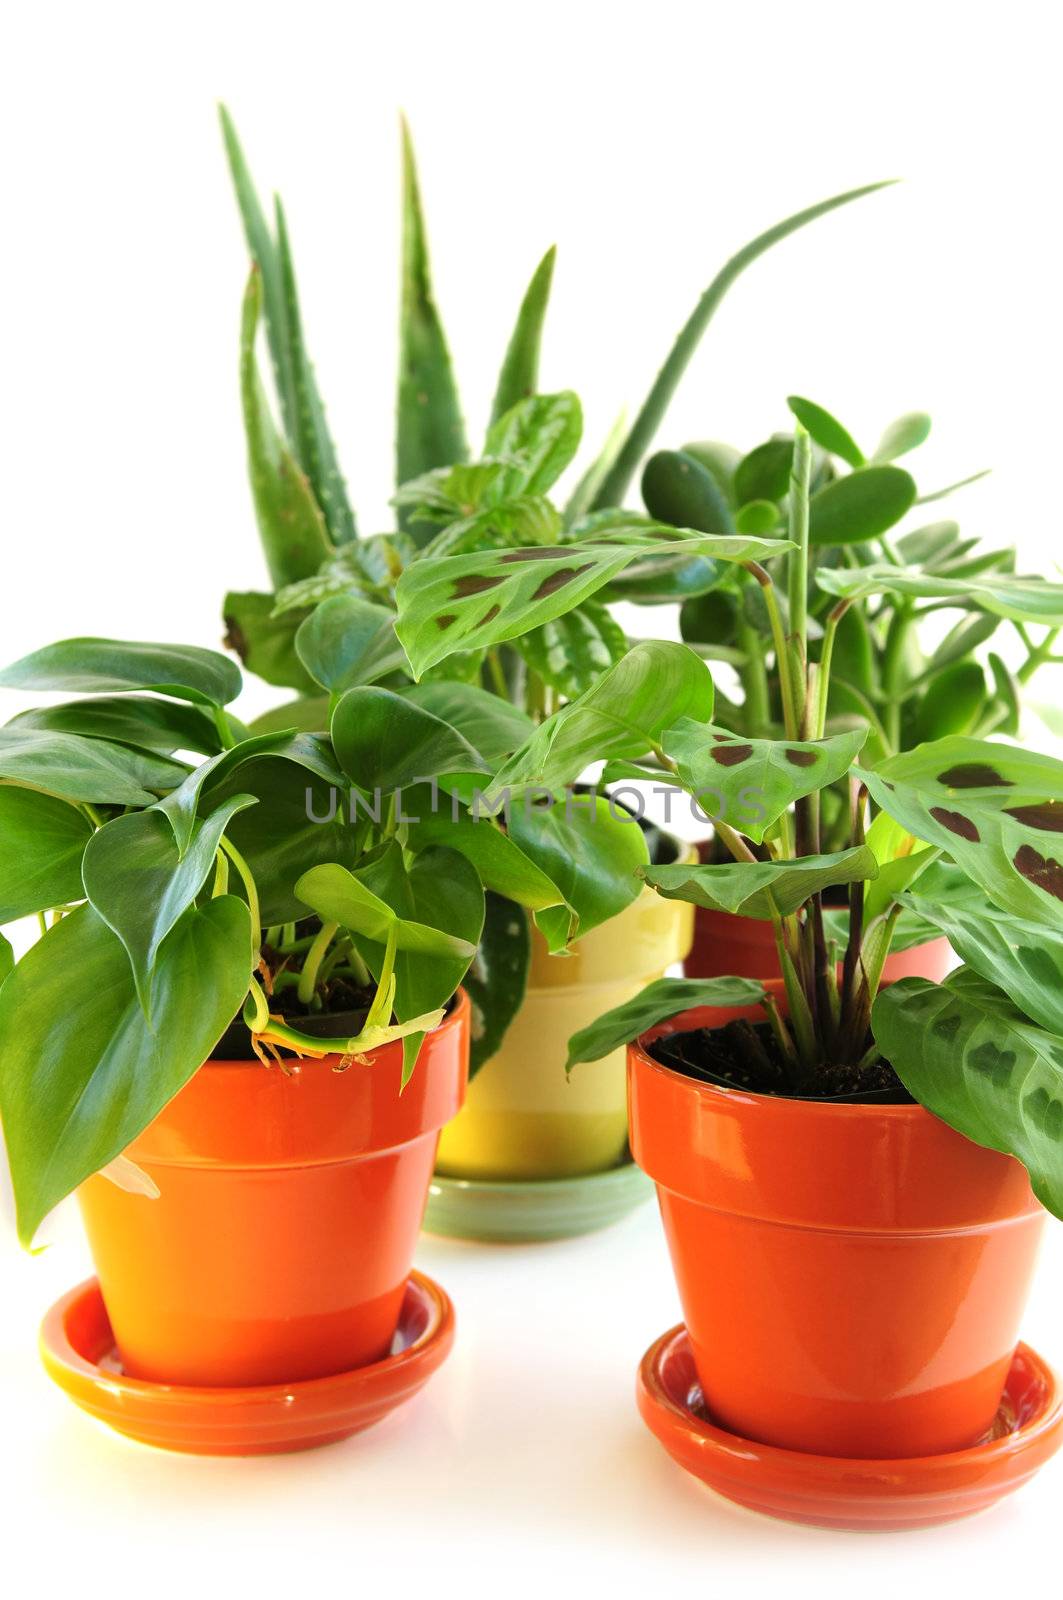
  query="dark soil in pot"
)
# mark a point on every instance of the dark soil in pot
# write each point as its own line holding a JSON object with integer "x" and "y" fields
{"x": 746, "y": 1055}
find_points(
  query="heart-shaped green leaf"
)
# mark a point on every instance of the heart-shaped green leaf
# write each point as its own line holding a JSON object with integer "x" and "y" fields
{"x": 338, "y": 896}
{"x": 493, "y": 726}
{"x": 656, "y": 1003}
{"x": 384, "y": 741}
{"x": 971, "y": 1057}
{"x": 42, "y": 841}
{"x": 347, "y": 641}
{"x": 85, "y": 769}
{"x": 265, "y": 641}
{"x": 103, "y": 666}
{"x": 591, "y": 850}
{"x": 81, "y": 1072}
{"x": 432, "y": 819}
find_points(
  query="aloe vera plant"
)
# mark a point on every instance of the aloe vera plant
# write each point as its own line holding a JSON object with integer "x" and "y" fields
{"x": 445, "y": 502}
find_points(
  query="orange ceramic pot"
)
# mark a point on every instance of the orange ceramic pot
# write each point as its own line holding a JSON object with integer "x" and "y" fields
{"x": 852, "y": 1276}
{"x": 289, "y": 1205}
{"x": 728, "y": 946}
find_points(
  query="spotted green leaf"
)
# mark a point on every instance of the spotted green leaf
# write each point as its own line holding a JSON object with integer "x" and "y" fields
{"x": 656, "y": 1003}
{"x": 1024, "y": 958}
{"x": 966, "y": 1052}
{"x": 539, "y": 437}
{"x": 762, "y": 888}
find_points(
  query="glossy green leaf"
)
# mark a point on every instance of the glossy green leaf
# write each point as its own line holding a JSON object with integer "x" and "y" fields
{"x": 997, "y": 810}
{"x": 81, "y": 1072}
{"x": 749, "y": 783}
{"x": 497, "y": 980}
{"x": 615, "y": 484}
{"x": 104, "y": 666}
{"x": 539, "y": 437}
{"x": 161, "y": 726}
{"x": 430, "y": 429}
{"x": 7, "y": 958}
{"x": 710, "y": 618}
{"x": 826, "y": 430}
{"x": 761, "y": 888}
{"x": 314, "y": 447}
{"x": 591, "y": 850}
{"x": 182, "y": 805}
{"x": 338, "y": 896}
{"x": 348, "y": 641}
{"x": 764, "y": 474}
{"x": 140, "y": 885}
{"x": 384, "y": 741}
{"x": 907, "y": 433}
{"x": 519, "y": 377}
{"x": 471, "y": 601}
{"x": 854, "y": 658}
{"x": 952, "y": 702}
{"x": 436, "y": 819}
{"x": 757, "y": 516}
{"x": 85, "y": 769}
{"x": 264, "y": 641}
{"x": 572, "y": 652}
{"x": 970, "y": 1056}
{"x": 309, "y": 714}
{"x": 679, "y": 489}
{"x": 42, "y": 841}
{"x": 1021, "y": 599}
{"x": 291, "y": 524}
{"x": 624, "y": 713}
{"x": 492, "y": 726}
{"x": 659, "y": 1001}
{"x": 861, "y": 506}
{"x": 719, "y": 459}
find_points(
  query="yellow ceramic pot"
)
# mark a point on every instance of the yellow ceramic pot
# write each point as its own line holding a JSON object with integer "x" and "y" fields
{"x": 522, "y": 1117}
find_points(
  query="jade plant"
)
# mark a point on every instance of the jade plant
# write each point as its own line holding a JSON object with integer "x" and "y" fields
{"x": 447, "y": 500}
{"x": 984, "y": 1049}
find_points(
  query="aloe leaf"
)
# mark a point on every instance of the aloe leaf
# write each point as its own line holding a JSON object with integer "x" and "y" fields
{"x": 263, "y": 252}
{"x": 430, "y": 428}
{"x": 291, "y": 525}
{"x": 616, "y": 482}
{"x": 314, "y": 447}
{"x": 519, "y": 377}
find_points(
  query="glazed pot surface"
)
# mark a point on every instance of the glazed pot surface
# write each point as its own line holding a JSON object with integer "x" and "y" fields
{"x": 523, "y": 1118}
{"x": 288, "y": 1210}
{"x": 852, "y": 1276}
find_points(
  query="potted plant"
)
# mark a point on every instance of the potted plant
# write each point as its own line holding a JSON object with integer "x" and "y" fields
{"x": 521, "y": 1124}
{"x": 895, "y": 666}
{"x": 240, "y": 1031}
{"x": 840, "y": 1165}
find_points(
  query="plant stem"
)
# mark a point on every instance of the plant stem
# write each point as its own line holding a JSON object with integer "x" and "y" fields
{"x": 250, "y": 890}
{"x": 791, "y": 718}
{"x": 754, "y": 677}
{"x": 1037, "y": 656}
{"x": 225, "y": 732}
{"x": 822, "y": 676}
{"x": 498, "y": 677}
{"x": 797, "y": 561}
{"x": 312, "y": 963}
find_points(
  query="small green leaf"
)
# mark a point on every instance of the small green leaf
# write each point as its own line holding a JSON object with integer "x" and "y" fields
{"x": 103, "y": 666}
{"x": 679, "y": 489}
{"x": 971, "y": 1057}
{"x": 757, "y": 516}
{"x": 659, "y": 1001}
{"x": 827, "y": 430}
{"x": 762, "y": 888}
{"x": 519, "y": 377}
{"x": 309, "y": 714}
{"x": 860, "y": 507}
{"x": 952, "y": 702}
{"x": 907, "y": 433}
{"x": 539, "y": 436}
{"x": 764, "y": 474}
{"x": 338, "y": 896}
{"x": 430, "y": 430}
{"x": 719, "y": 459}
{"x": 749, "y": 783}
{"x": 81, "y": 1072}
{"x": 962, "y": 640}
{"x": 498, "y": 978}
{"x": 572, "y": 652}
{"x": 502, "y": 866}
{"x": 42, "y": 841}
{"x": 348, "y": 641}
{"x": 384, "y": 742}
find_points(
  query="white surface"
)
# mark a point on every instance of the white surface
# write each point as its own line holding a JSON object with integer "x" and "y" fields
{"x": 648, "y": 141}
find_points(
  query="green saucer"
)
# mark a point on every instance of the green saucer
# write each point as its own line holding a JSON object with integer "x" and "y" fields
{"x": 533, "y": 1209}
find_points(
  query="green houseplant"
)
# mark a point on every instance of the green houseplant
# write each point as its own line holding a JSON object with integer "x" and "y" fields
{"x": 852, "y": 1238}
{"x": 448, "y": 503}
{"x": 895, "y": 666}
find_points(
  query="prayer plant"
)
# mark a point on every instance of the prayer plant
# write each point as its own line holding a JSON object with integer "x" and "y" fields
{"x": 447, "y": 500}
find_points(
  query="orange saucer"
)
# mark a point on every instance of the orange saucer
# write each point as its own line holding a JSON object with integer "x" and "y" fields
{"x": 852, "y": 1492}
{"x": 78, "y": 1350}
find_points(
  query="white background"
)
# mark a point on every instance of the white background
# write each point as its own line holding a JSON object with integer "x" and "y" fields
{"x": 647, "y": 141}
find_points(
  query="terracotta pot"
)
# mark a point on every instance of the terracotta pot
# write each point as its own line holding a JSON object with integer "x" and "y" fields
{"x": 289, "y": 1205}
{"x": 727, "y": 946}
{"x": 523, "y": 1118}
{"x": 852, "y": 1276}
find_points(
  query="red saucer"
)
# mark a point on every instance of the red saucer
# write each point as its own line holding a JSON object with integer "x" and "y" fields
{"x": 78, "y": 1350}
{"x": 848, "y": 1492}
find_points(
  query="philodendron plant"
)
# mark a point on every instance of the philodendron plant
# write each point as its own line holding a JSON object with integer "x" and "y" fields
{"x": 446, "y": 502}
{"x": 964, "y": 831}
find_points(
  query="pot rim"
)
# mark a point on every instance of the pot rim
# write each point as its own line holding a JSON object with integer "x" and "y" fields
{"x": 460, "y": 1007}
{"x": 637, "y": 1051}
